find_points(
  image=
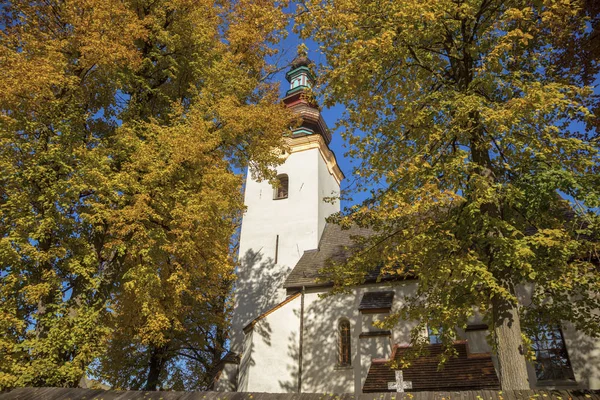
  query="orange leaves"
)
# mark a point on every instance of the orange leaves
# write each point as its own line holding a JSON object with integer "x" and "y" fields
{"x": 122, "y": 126}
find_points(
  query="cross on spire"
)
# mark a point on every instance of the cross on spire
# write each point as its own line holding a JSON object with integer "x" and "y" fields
{"x": 400, "y": 383}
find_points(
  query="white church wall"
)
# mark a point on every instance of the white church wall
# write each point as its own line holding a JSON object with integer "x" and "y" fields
{"x": 370, "y": 348}
{"x": 328, "y": 188}
{"x": 246, "y": 363}
{"x": 321, "y": 372}
{"x": 477, "y": 341}
{"x": 270, "y": 359}
{"x": 287, "y": 227}
{"x": 227, "y": 379}
{"x": 584, "y": 354}
{"x": 401, "y": 333}
{"x": 274, "y": 349}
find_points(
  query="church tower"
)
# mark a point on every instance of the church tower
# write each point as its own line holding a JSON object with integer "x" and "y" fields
{"x": 282, "y": 222}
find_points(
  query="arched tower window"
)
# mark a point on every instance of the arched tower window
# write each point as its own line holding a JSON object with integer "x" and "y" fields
{"x": 344, "y": 343}
{"x": 281, "y": 189}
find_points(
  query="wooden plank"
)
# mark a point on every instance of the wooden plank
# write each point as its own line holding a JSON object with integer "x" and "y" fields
{"x": 491, "y": 395}
{"x": 505, "y": 396}
{"x": 91, "y": 394}
{"x": 595, "y": 395}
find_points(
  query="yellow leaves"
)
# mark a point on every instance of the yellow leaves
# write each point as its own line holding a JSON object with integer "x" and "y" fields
{"x": 154, "y": 330}
{"x": 100, "y": 36}
{"x": 522, "y": 15}
{"x": 429, "y": 16}
{"x": 123, "y": 123}
{"x": 550, "y": 238}
{"x": 556, "y": 11}
{"x": 104, "y": 32}
{"x": 252, "y": 26}
{"x": 35, "y": 293}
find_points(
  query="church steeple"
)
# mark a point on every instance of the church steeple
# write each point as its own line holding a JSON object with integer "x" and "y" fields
{"x": 300, "y": 75}
{"x": 301, "y": 79}
{"x": 279, "y": 225}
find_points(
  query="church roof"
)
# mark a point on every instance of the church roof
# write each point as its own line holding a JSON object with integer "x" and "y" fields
{"x": 335, "y": 245}
{"x": 251, "y": 324}
{"x": 465, "y": 372}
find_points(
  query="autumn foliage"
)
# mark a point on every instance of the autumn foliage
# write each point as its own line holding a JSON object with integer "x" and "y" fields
{"x": 121, "y": 125}
{"x": 474, "y": 134}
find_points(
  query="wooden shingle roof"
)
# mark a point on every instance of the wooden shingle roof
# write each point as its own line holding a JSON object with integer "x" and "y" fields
{"x": 335, "y": 245}
{"x": 466, "y": 372}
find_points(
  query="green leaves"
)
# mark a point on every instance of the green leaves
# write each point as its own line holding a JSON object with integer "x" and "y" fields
{"x": 486, "y": 177}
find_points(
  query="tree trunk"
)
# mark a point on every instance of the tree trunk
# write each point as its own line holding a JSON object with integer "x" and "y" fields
{"x": 507, "y": 326}
{"x": 511, "y": 359}
{"x": 154, "y": 369}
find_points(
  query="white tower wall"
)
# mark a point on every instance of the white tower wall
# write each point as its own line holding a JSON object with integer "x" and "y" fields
{"x": 282, "y": 229}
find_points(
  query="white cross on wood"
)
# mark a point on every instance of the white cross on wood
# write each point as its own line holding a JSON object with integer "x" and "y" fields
{"x": 400, "y": 383}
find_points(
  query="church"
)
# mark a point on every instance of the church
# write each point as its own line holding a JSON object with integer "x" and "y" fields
{"x": 287, "y": 339}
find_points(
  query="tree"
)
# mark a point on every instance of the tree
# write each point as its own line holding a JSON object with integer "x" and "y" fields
{"x": 471, "y": 141}
{"x": 122, "y": 124}
{"x": 580, "y": 53}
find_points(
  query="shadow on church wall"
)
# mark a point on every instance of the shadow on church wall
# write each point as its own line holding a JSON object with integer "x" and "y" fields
{"x": 321, "y": 371}
{"x": 256, "y": 291}
{"x": 319, "y": 367}
{"x": 584, "y": 354}
{"x": 291, "y": 385}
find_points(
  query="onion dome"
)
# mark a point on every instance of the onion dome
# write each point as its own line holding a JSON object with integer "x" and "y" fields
{"x": 301, "y": 60}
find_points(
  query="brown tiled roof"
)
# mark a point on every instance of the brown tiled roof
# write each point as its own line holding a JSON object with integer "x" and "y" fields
{"x": 466, "y": 372}
{"x": 376, "y": 302}
{"x": 335, "y": 245}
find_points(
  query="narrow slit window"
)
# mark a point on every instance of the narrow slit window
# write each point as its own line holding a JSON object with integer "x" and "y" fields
{"x": 281, "y": 190}
{"x": 344, "y": 342}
